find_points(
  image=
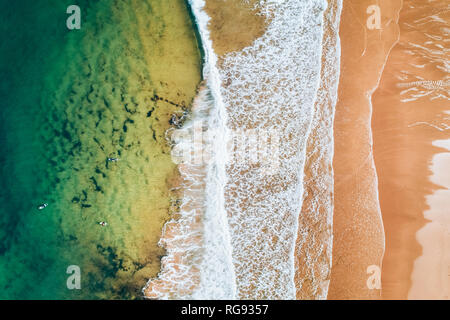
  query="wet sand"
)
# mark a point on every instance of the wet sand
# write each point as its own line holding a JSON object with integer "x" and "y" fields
{"x": 357, "y": 226}
{"x": 411, "y": 169}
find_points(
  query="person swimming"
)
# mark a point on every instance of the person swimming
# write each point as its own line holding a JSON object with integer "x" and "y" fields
{"x": 42, "y": 206}
{"x": 103, "y": 223}
{"x": 113, "y": 159}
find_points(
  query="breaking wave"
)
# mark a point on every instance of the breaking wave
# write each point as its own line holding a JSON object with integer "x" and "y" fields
{"x": 235, "y": 234}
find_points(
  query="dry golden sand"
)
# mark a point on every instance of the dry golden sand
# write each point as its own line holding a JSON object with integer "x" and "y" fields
{"x": 358, "y": 229}
{"x": 403, "y": 154}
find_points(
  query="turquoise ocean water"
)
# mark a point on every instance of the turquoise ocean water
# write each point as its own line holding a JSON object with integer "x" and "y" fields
{"x": 70, "y": 100}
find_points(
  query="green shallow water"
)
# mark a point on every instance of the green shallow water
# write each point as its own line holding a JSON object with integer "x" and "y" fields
{"x": 70, "y": 100}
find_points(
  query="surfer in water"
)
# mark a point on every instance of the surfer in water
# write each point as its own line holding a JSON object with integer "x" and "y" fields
{"x": 42, "y": 206}
{"x": 110, "y": 159}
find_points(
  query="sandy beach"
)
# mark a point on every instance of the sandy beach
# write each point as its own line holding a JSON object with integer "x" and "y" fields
{"x": 377, "y": 216}
{"x": 409, "y": 117}
{"x": 357, "y": 227}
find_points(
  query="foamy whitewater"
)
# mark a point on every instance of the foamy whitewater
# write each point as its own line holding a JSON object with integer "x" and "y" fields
{"x": 315, "y": 232}
{"x": 236, "y": 231}
{"x": 198, "y": 264}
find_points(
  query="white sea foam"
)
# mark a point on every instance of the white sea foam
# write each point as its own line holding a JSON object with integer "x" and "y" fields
{"x": 236, "y": 232}
{"x": 272, "y": 85}
{"x": 315, "y": 234}
{"x": 217, "y": 280}
{"x": 198, "y": 263}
